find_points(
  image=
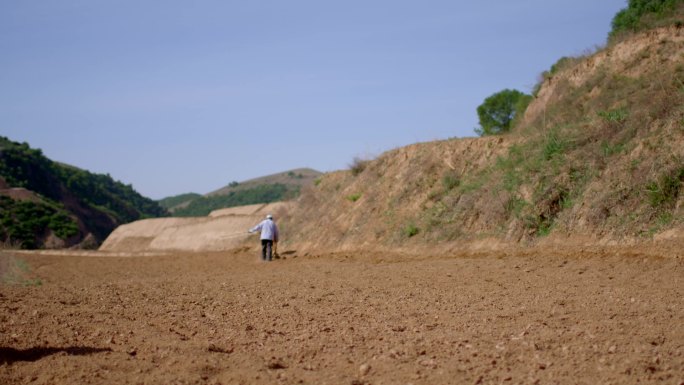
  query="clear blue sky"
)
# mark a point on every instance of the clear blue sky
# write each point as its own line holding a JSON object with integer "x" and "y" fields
{"x": 177, "y": 96}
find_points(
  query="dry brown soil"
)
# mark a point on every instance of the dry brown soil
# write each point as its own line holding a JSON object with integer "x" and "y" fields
{"x": 366, "y": 318}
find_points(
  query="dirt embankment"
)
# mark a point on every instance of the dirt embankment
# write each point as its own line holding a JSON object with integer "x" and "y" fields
{"x": 374, "y": 208}
{"x": 221, "y": 230}
{"x": 435, "y": 198}
{"x": 598, "y": 159}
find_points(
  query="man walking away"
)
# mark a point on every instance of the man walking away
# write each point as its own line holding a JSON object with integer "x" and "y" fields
{"x": 269, "y": 234}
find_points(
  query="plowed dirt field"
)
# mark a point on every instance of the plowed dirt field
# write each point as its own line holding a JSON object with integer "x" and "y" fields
{"x": 228, "y": 318}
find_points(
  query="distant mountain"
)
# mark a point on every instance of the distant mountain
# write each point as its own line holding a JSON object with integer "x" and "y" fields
{"x": 297, "y": 177}
{"x": 178, "y": 201}
{"x": 46, "y": 204}
{"x": 271, "y": 188}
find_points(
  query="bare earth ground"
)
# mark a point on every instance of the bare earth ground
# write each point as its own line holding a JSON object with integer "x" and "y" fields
{"x": 227, "y": 318}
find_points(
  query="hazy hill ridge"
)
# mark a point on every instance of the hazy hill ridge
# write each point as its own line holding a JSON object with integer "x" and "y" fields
{"x": 50, "y": 204}
{"x": 297, "y": 177}
{"x": 271, "y": 188}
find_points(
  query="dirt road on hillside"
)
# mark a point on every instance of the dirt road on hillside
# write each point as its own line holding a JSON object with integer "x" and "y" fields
{"x": 226, "y": 318}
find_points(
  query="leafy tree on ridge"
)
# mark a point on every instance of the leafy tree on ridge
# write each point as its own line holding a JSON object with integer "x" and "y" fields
{"x": 498, "y": 111}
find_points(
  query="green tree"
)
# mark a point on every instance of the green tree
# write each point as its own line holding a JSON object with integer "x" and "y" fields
{"x": 499, "y": 110}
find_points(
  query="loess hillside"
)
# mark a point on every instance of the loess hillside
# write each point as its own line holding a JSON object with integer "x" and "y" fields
{"x": 598, "y": 155}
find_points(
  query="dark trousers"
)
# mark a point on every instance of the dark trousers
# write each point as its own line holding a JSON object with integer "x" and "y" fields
{"x": 266, "y": 249}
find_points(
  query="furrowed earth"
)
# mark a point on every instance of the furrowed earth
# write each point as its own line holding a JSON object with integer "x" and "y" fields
{"x": 538, "y": 317}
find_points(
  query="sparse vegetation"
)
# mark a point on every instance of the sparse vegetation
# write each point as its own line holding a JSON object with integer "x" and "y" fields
{"x": 358, "y": 165}
{"x": 665, "y": 190}
{"x": 609, "y": 149}
{"x": 510, "y": 168}
{"x": 410, "y": 230}
{"x": 615, "y": 116}
{"x": 544, "y": 226}
{"x": 553, "y": 146}
{"x": 450, "y": 180}
{"x": 560, "y": 65}
{"x": 515, "y": 206}
{"x": 354, "y": 197}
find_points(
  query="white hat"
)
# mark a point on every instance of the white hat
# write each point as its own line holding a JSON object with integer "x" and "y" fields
{"x": 269, "y": 216}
